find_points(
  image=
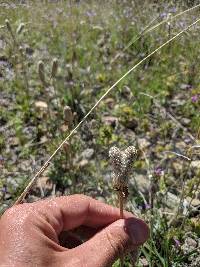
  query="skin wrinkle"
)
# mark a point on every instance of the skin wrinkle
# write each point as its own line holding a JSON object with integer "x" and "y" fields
{"x": 74, "y": 206}
{"x": 87, "y": 213}
{"x": 103, "y": 212}
{"x": 105, "y": 245}
{"x": 51, "y": 207}
{"x": 109, "y": 237}
{"x": 54, "y": 221}
{"x": 117, "y": 242}
{"x": 47, "y": 229}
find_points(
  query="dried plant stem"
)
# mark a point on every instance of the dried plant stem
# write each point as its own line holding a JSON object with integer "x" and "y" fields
{"x": 30, "y": 184}
{"x": 26, "y": 190}
{"x": 121, "y": 204}
{"x": 20, "y": 51}
{"x": 122, "y": 200}
{"x": 121, "y": 208}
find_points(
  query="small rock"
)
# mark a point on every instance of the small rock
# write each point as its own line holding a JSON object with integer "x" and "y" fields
{"x": 195, "y": 164}
{"x": 83, "y": 163}
{"x": 43, "y": 139}
{"x": 93, "y": 123}
{"x": 195, "y": 202}
{"x": 110, "y": 120}
{"x": 172, "y": 200}
{"x": 143, "y": 262}
{"x": 143, "y": 143}
{"x": 14, "y": 141}
{"x": 87, "y": 153}
{"x": 177, "y": 166}
{"x": 184, "y": 86}
{"x": 185, "y": 121}
{"x": 2, "y": 44}
{"x": 12, "y": 183}
{"x": 110, "y": 102}
{"x": 142, "y": 182}
{"x": 32, "y": 198}
{"x": 41, "y": 104}
{"x": 181, "y": 146}
{"x": 29, "y": 50}
{"x": 126, "y": 92}
{"x": 131, "y": 123}
{"x": 191, "y": 242}
{"x": 7, "y": 196}
{"x": 25, "y": 165}
{"x": 64, "y": 128}
{"x": 177, "y": 101}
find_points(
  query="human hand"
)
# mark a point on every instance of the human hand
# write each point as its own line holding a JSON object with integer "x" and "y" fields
{"x": 30, "y": 232}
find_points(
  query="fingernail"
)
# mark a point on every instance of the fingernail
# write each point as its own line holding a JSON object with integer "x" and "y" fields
{"x": 137, "y": 230}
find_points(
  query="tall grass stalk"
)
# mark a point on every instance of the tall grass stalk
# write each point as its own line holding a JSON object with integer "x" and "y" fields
{"x": 18, "y": 48}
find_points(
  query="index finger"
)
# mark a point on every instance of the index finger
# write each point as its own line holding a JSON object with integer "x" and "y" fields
{"x": 69, "y": 212}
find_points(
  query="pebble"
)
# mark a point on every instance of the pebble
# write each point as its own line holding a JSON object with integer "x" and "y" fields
{"x": 110, "y": 120}
{"x": 87, "y": 153}
{"x": 143, "y": 143}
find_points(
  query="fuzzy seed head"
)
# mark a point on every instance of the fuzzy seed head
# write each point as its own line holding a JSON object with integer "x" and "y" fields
{"x": 41, "y": 71}
{"x": 68, "y": 116}
{"x": 54, "y": 67}
{"x": 122, "y": 164}
{"x": 115, "y": 156}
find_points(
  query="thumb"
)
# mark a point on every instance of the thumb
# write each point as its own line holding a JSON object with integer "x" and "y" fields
{"x": 106, "y": 246}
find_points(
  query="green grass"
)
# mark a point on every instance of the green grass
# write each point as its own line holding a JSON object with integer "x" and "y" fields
{"x": 85, "y": 38}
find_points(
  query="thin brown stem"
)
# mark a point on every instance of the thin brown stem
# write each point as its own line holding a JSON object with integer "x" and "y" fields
{"x": 121, "y": 205}
{"x": 121, "y": 208}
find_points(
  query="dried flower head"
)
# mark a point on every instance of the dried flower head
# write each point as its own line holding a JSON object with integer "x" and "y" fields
{"x": 68, "y": 115}
{"x": 41, "y": 72}
{"x": 122, "y": 164}
{"x": 7, "y": 22}
{"x": 54, "y": 67}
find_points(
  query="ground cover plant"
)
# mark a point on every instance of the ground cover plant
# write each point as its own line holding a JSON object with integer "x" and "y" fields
{"x": 57, "y": 58}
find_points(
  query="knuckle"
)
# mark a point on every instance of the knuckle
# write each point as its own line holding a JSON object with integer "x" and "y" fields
{"x": 11, "y": 212}
{"x": 82, "y": 197}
